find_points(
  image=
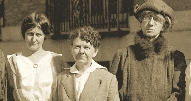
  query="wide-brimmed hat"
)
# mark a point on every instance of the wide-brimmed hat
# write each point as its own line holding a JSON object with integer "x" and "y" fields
{"x": 158, "y": 6}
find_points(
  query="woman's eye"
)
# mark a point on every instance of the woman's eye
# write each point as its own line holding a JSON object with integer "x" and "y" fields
{"x": 38, "y": 35}
{"x": 77, "y": 47}
{"x": 30, "y": 34}
{"x": 86, "y": 47}
{"x": 156, "y": 19}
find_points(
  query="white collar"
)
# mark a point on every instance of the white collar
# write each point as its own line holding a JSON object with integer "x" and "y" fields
{"x": 92, "y": 68}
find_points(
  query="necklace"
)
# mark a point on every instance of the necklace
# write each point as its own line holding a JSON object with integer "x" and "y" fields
{"x": 35, "y": 65}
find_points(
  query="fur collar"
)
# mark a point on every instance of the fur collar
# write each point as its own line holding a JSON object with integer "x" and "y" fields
{"x": 144, "y": 48}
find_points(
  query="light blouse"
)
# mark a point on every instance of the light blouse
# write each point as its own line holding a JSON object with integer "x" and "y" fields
{"x": 81, "y": 80}
{"x": 35, "y": 80}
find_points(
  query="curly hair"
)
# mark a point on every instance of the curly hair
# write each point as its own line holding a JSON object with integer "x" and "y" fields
{"x": 85, "y": 33}
{"x": 35, "y": 20}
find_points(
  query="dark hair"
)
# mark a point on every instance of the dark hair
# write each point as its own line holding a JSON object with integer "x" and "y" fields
{"x": 35, "y": 20}
{"x": 86, "y": 33}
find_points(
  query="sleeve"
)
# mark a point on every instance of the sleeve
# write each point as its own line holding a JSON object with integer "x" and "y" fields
{"x": 117, "y": 65}
{"x": 3, "y": 85}
{"x": 188, "y": 83}
{"x": 55, "y": 90}
{"x": 11, "y": 76}
{"x": 59, "y": 93}
{"x": 58, "y": 63}
{"x": 113, "y": 94}
{"x": 179, "y": 83}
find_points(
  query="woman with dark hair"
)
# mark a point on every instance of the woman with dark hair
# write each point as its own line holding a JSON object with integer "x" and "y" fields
{"x": 31, "y": 72}
{"x": 150, "y": 70}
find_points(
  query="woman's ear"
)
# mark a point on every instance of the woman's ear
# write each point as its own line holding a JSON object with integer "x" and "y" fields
{"x": 70, "y": 49}
{"x": 95, "y": 53}
{"x": 162, "y": 29}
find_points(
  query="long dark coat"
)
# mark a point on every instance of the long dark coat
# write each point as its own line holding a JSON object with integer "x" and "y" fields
{"x": 150, "y": 71}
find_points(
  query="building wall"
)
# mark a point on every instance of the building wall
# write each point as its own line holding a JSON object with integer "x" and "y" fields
{"x": 16, "y": 10}
{"x": 179, "y": 38}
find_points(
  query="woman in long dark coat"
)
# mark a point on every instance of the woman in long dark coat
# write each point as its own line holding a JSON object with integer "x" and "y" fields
{"x": 150, "y": 70}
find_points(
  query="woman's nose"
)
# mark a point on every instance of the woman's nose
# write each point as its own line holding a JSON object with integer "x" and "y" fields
{"x": 151, "y": 22}
{"x": 81, "y": 50}
{"x": 34, "y": 38}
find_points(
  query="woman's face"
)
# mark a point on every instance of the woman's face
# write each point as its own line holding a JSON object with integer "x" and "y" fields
{"x": 34, "y": 39}
{"x": 152, "y": 24}
{"x": 83, "y": 51}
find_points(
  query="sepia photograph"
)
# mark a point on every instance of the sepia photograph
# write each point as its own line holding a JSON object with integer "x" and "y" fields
{"x": 95, "y": 50}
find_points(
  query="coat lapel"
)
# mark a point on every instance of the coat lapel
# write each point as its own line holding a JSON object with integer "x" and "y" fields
{"x": 91, "y": 87}
{"x": 69, "y": 86}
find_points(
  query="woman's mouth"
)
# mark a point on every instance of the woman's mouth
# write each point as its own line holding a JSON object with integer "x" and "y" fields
{"x": 149, "y": 30}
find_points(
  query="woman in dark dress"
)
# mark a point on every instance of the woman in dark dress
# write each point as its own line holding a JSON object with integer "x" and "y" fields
{"x": 150, "y": 70}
